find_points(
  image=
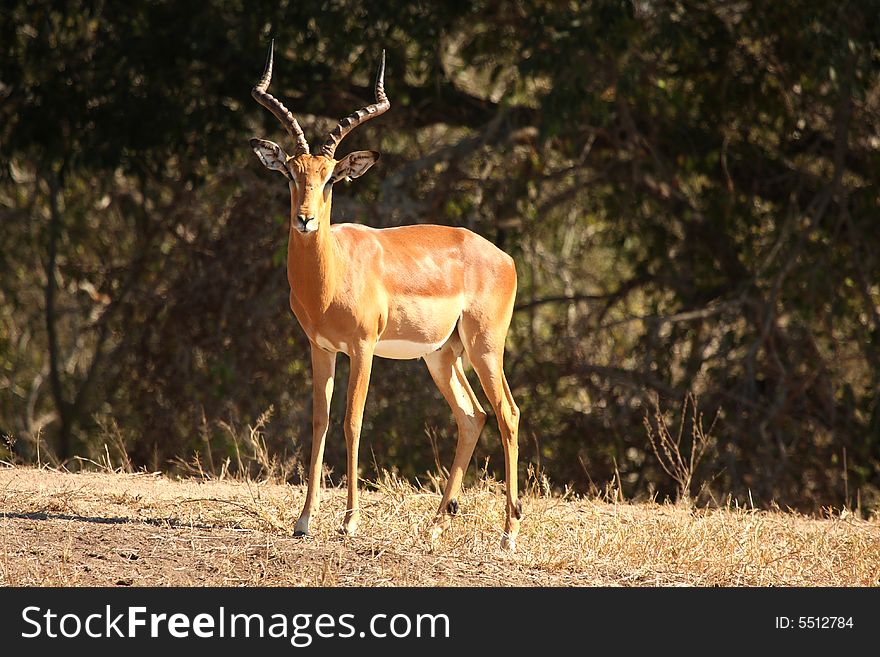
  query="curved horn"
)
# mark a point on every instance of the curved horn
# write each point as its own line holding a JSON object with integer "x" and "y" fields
{"x": 352, "y": 121}
{"x": 277, "y": 108}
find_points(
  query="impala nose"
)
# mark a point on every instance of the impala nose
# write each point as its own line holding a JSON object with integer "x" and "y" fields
{"x": 303, "y": 222}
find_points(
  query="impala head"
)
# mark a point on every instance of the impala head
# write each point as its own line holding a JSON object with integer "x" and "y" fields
{"x": 311, "y": 177}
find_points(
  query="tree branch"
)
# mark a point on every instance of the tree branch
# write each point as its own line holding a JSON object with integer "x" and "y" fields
{"x": 562, "y": 298}
{"x": 51, "y": 318}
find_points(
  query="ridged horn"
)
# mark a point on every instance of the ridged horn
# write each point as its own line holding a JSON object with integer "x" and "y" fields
{"x": 284, "y": 115}
{"x": 352, "y": 121}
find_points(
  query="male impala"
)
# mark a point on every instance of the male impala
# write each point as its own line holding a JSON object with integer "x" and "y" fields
{"x": 430, "y": 292}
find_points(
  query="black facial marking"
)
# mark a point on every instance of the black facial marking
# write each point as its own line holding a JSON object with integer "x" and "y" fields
{"x": 452, "y": 507}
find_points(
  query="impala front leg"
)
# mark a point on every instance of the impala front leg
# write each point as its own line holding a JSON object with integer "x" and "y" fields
{"x": 358, "y": 383}
{"x": 323, "y": 368}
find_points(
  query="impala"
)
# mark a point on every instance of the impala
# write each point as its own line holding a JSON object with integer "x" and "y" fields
{"x": 429, "y": 292}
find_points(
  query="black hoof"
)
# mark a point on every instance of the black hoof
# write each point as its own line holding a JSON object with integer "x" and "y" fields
{"x": 300, "y": 534}
{"x": 452, "y": 507}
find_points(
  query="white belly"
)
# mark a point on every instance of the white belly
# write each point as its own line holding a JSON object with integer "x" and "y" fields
{"x": 324, "y": 343}
{"x": 404, "y": 349}
{"x": 396, "y": 349}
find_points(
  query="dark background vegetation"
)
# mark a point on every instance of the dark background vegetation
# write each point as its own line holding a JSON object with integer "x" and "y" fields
{"x": 689, "y": 189}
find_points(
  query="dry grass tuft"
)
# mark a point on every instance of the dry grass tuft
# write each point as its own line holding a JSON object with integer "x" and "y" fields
{"x": 112, "y": 528}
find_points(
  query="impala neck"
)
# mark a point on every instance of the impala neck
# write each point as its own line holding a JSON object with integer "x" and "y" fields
{"x": 312, "y": 261}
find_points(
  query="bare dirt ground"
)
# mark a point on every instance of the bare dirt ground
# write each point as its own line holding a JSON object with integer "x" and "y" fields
{"x": 89, "y": 529}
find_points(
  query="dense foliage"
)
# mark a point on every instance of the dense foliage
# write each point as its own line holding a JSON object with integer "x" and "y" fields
{"x": 689, "y": 189}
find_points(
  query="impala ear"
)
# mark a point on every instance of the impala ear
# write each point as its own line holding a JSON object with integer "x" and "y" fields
{"x": 271, "y": 155}
{"x": 354, "y": 165}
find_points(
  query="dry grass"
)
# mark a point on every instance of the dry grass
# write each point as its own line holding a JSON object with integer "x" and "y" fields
{"x": 109, "y": 528}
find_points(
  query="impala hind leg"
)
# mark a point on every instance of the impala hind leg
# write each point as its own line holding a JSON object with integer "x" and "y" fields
{"x": 486, "y": 353}
{"x": 447, "y": 371}
{"x": 323, "y": 369}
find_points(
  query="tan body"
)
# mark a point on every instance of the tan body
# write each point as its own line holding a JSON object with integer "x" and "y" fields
{"x": 431, "y": 292}
{"x": 409, "y": 300}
